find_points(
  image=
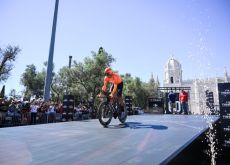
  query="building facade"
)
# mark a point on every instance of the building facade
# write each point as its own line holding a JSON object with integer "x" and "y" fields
{"x": 201, "y": 89}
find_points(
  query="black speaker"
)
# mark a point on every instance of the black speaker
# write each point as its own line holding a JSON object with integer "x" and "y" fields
{"x": 128, "y": 104}
{"x": 68, "y": 103}
{"x": 224, "y": 101}
{"x": 209, "y": 100}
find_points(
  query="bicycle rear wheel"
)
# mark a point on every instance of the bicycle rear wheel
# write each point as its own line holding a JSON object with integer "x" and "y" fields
{"x": 105, "y": 114}
{"x": 122, "y": 115}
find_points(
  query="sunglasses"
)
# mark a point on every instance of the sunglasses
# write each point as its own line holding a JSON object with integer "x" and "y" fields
{"x": 107, "y": 74}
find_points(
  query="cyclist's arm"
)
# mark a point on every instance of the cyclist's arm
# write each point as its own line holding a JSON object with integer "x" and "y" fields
{"x": 105, "y": 84}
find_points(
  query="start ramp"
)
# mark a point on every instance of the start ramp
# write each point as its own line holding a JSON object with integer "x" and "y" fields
{"x": 143, "y": 139}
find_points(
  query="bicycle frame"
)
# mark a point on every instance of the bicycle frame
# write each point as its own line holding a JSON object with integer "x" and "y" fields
{"x": 113, "y": 105}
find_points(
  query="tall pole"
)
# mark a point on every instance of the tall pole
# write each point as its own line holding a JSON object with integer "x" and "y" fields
{"x": 70, "y": 60}
{"x": 48, "y": 80}
{"x": 67, "y": 89}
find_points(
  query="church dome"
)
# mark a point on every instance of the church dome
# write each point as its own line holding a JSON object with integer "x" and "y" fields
{"x": 173, "y": 64}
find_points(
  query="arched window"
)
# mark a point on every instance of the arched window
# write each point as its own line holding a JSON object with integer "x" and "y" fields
{"x": 171, "y": 80}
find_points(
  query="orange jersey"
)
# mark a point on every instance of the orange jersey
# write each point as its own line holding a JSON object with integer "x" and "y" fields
{"x": 115, "y": 79}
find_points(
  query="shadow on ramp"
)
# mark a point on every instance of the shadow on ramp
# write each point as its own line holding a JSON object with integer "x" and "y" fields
{"x": 137, "y": 125}
{"x": 119, "y": 126}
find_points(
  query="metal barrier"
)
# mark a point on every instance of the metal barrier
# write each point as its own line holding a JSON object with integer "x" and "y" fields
{"x": 24, "y": 118}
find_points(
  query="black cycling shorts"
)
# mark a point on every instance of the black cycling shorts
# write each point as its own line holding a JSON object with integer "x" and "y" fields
{"x": 119, "y": 89}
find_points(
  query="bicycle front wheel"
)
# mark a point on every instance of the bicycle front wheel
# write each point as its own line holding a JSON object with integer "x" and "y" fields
{"x": 105, "y": 114}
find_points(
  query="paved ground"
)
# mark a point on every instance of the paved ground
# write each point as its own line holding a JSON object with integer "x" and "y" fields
{"x": 144, "y": 139}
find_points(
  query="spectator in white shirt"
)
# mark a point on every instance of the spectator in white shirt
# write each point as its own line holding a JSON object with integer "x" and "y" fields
{"x": 34, "y": 109}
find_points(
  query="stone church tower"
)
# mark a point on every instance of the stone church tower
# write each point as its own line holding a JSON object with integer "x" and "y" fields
{"x": 198, "y": 87}
{"x": 173, "y": 73}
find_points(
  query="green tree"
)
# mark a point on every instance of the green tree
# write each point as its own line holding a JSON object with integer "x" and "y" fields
{"x": 128, "y": 84}
{"x": 140, "y": 93}
{"x": 7, "y": 57}
{"x": 152, "y": 86}
{"x": 89, "y": 74}
{"x": 157, "y": 84}
{"x": 33, "y": 81}
{"x": 135, "y": 88}
{"x": 59, "y": 83}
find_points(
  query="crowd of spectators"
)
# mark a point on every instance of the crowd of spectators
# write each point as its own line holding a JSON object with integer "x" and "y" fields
{"x": 14, "y": 112}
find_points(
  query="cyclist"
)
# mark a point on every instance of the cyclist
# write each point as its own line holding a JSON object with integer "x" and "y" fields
{"x": 117, "y": 85}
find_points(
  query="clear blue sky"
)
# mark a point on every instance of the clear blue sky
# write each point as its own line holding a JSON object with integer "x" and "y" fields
{"x": 141, "y": 34}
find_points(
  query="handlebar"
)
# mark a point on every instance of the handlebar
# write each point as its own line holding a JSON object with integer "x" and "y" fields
{"x": 106, "y": 95}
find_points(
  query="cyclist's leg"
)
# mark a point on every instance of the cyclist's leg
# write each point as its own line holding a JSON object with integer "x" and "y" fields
{"x": 119, "y": 94}
{"x": 111, "y": 88}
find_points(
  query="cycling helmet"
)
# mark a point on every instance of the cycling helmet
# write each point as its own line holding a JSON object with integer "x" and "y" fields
{"x": 108, "y": 70}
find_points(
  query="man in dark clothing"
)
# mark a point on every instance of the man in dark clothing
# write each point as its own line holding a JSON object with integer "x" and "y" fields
{"x": 172, "y": 101}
